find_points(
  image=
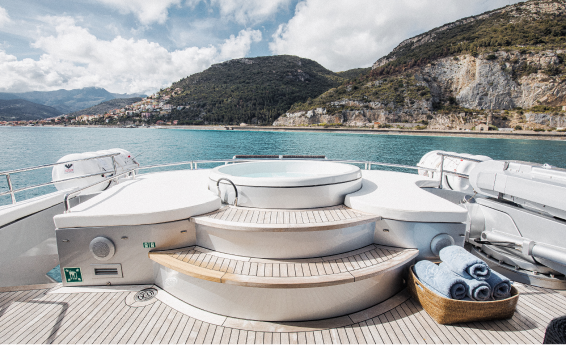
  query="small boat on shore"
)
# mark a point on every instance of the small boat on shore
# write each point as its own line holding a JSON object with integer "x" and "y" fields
{"x": 273, "y": 249}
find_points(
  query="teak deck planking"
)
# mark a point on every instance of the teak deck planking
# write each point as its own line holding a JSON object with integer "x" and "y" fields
{"x": 39, "y": 316}
{"x": 219, "y": 267}
{"x": 253, "y": 219}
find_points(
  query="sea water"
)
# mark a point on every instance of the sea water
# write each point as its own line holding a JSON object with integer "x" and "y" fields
{"x": 31, "y": 146}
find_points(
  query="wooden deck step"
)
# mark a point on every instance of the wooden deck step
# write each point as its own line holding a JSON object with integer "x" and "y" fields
{"x": 254, "y": 219}
{"x": 343, "y": 268}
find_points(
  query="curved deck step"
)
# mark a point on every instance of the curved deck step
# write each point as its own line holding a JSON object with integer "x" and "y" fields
{"x": 343, "y": 268}
{"x": 254, "y": 219}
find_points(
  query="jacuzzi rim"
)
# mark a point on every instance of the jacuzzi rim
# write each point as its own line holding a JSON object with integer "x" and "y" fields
{"x": 302, "y": 186}
{"x": 353, "y": 173}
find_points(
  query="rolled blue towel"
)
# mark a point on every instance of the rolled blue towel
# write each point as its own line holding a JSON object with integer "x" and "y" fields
{"x": 476, "y": 290}
{"x": 442, "y": 281}
{"x": 500, "y": 285}
{"x": 463, "y": 263}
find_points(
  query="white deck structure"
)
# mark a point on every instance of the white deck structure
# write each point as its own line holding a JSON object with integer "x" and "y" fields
{"x": 242, "y": 274}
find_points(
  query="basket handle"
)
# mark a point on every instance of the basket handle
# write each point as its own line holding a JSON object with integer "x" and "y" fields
{"x": 418, "y": 283}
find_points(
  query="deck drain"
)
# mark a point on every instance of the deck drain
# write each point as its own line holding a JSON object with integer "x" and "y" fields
{"x": 145, "y": 295}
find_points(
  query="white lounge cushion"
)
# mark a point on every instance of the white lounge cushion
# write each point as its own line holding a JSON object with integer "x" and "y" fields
{"x": 398, "y": 196}
{"x": 13, "y": 212}
{"x": 148, "y": 199}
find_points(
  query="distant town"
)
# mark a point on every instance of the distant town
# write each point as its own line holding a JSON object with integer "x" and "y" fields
{"x": 152, "y": 110}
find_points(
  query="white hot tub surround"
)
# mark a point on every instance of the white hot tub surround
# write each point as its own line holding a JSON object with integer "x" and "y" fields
{"x": 287, "y": 184}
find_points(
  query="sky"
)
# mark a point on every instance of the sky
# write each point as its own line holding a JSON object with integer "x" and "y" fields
{"x": 141, "y": 46}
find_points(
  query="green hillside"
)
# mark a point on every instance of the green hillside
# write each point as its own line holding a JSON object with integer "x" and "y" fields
{"x": 354, "y": 73}
{"x": 252, "y": 90}
{"x": 107, "y": 106}
{"x": 20, "y": 109}
{"x": 527, "y": 28}
{"x": 531, "y": 25}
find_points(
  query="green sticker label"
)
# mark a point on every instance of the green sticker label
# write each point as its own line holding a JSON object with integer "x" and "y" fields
{"x": 149, "y": 244}
{"x": 73, "y": 274}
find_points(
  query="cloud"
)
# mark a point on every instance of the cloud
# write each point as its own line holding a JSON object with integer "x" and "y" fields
{"x": 342, "y": 37}
{"x": 247, "y": 12}
{"x": 4, "y": 17}
{"x": 74, "y": 58}
{"x": 147, "y": 11}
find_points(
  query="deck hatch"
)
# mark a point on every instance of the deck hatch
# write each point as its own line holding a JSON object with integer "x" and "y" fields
{"x": 107, "y": 270}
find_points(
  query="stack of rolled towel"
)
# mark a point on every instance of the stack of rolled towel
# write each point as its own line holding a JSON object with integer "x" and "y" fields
{"x": 462, "y": 276}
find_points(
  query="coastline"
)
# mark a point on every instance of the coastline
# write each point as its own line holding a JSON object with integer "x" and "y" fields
{"x": 525, "y": 135}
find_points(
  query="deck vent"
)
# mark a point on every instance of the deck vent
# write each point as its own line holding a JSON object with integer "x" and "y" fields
{"x": 102, "y": 248}
{"x": 145, "y": 294}
{"x": 107, "y": 271}
{"x": 440, "y": 241}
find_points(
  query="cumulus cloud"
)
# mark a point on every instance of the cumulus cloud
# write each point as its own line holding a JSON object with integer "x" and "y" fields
{"x": 74, "y": 58}
{"x": 342, "y": 36}
{"x": 245, "y": 12}
{"x": 4, "y": 17}
{"x": 249, "y": 11}
{"x": 147, "y": 11}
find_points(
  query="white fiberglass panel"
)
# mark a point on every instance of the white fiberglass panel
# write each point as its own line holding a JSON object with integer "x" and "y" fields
{"x": 280, "y": 304}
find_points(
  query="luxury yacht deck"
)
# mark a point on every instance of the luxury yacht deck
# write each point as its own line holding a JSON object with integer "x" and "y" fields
{"x": 55, "y": 314}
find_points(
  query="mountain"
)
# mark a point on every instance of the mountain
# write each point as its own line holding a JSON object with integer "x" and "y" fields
{"x": 106, "y": 106}
{"x": 250, "y": 90}
{"x": 502, "y": 67}
{"x": 354, "y": 73}
{"x": 20, "y": 109}
{"x": 67, "y": 101}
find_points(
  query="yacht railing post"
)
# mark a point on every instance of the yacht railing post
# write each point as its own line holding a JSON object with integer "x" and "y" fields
{"x": 441, "y": 170}
{"x": 11, "y": 189}
{"x": 115, "y": 169}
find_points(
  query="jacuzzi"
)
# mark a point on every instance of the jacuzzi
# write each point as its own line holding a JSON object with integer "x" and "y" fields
{"x": 286, "y": 184}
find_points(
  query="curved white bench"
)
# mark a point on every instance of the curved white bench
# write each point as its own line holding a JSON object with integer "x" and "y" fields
{"x": 399, "y": 196}
{"x": 148, "y": 199}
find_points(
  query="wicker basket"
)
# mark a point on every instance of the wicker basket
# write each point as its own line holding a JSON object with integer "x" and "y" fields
{"x": 448, "y": 311}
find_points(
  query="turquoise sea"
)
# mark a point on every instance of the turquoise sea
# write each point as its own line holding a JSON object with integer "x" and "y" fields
{"x": 30, "y": 146}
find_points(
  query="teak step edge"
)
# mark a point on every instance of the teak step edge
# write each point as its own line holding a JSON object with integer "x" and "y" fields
{"x": 338, "y": 269}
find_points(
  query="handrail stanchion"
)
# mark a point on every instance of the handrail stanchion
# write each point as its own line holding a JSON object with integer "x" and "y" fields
{"x": 441, "y": 171}
{"x": 115, "y": 169}
{"x": 71, "y": 194}
{"x": 11, "y": 188}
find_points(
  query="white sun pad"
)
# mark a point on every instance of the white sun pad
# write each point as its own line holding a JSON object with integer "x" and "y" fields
{"x": 148, "y": 199}
{"x": 399, "y": 196}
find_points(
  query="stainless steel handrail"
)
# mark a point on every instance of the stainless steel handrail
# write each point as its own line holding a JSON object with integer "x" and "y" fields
{"x": 13, "y": 192}
{"x": 73, "y": 193}
{"x": 52, "y": 182}
{"x": 442, "y": 171}
{"x": 194, "y": 165}
{"x": 58, "y": 163}
{"x": 233, "y": 185}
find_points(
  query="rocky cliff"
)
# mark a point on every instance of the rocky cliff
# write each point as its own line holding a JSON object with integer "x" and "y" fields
{"x": 493, "y": 81}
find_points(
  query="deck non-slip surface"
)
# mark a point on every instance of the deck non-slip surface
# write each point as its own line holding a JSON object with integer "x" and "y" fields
{"x": 271, "y": 219}
{"x": 41, "y": 316}
{"x": 350, "y": 266}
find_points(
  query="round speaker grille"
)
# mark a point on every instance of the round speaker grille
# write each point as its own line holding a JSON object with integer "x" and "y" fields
{"x": 440, "y": 241}
{"x": 102, "y": 248}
